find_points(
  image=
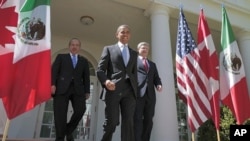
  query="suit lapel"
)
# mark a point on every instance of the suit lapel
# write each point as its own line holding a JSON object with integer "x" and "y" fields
{"x": 78, "y": 61}
{"x": 140, "y": 65}
{"x": 150, "y": 65}
{"x": 130, "y": 55}
{"x": 117, "y": 51}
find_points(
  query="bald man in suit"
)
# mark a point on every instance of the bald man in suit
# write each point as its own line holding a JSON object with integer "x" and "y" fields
{"x": 117, "y": 73}
{"x": 148, "y": 81}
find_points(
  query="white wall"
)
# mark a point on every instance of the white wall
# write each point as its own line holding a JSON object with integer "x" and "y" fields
{"x": 24, "y": 125}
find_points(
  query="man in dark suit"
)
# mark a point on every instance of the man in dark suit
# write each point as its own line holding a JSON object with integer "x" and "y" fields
{"x": 148, "y": 80}
{"x": 70, "y": 82}
{"x": 117, "y": 72}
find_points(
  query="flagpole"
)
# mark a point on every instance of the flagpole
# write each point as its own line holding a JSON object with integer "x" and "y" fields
{"x": 218, "y": 135}
{"x": 5, "y": 133}
{"x": 193, "y": 139}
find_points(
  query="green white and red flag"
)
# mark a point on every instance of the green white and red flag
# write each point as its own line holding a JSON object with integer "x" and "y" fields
{"x": 31, "y": 76}
{"x": 233, "y": 84}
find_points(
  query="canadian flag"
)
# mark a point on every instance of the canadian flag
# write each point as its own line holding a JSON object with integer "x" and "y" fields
{"x": 27, "y": 70}
{"x": 210, "y": 67}
{"x": 8, "y": 24}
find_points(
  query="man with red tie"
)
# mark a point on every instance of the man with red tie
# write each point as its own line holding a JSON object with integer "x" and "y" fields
{"x": 148, "y": 80}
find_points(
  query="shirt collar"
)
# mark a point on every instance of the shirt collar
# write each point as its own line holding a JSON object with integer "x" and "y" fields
{"x": 142, "y": 57}
{"x": 72, "y": 54}
{"x": 121, "y": 44}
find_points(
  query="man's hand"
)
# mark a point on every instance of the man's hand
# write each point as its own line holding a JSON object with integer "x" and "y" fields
{"x": 53, "y": 89}
{"x": 110, "y": 85}
{"x": 159, "y": 88}
{"x": 87, "y": 95}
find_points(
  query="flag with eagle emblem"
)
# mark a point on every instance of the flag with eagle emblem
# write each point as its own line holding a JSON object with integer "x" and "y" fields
{"x": 233, "y": 84}
{"x": 30, "y": 59}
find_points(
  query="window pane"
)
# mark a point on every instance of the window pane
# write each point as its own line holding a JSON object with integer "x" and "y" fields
{"x": 47, "y": 118}
{"x": 45, "y": 131}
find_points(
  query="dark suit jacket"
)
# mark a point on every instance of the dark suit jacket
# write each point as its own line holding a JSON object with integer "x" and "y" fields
{"x": 112, "y": 67}
{"x": 63, "y": 73}
{"x": 147, "y": 80}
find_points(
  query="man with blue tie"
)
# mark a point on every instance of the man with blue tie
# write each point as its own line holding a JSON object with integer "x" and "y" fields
{"x": 148, "y": 80}
{"x": 70, "y": 82}
{"x": 117, "y": 72}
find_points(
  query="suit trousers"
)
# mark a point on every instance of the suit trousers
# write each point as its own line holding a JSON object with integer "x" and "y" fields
{"x": 124, "y": 101}
{"x": 60, "y": 103}
{"x": 143, "y": 118}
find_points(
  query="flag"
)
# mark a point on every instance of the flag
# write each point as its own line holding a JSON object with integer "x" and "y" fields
{"x": 31, "y": 84}
{"x": 209, "y": 64}
{"x": 191, "y": 78}
{"x": 8, "y": 24}
{"x": 233, "y": 84}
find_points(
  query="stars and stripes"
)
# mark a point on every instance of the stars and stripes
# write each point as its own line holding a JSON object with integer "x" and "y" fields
{"x": 191, "y": 79}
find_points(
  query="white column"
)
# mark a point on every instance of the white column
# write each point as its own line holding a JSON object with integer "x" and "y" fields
{"x": 165, "y": 126}
{"x": 243, "y": 39}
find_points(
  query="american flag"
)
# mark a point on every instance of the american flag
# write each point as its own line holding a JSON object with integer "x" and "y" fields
{"x": 190, "y": 77}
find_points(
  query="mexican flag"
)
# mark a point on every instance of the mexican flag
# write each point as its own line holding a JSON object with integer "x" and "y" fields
{"x": 31, "y": 84}
{"x": 233, "y": 84}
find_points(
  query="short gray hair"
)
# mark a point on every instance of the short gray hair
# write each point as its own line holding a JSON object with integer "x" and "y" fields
{"x": 74, "y": 39}
{"x": 143, "y": 44}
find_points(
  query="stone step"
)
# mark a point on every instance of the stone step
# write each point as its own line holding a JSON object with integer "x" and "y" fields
{"x": 7, "y": 139}
{"x": 22, "y": 139}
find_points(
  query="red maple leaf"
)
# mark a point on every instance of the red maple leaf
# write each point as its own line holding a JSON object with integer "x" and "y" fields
{"x": 8, "y": 17}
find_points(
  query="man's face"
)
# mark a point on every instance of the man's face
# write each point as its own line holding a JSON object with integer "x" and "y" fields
{"x": 74, "y": 46}
{"x": 143, "y": 51}
{"x": 123, "y": 35}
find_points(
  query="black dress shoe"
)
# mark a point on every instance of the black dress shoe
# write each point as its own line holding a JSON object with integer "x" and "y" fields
{"x": 70, "y": 137}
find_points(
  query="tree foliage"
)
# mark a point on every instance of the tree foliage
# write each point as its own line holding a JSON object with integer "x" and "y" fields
{"x": 227, "y": 119}
{"x": 207, "y": 131}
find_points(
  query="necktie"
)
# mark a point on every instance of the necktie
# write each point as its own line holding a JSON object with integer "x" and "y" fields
{"x": 124, "y": 55}
{"x": 74, "y": 60}
{"x": 145, "y": 64}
